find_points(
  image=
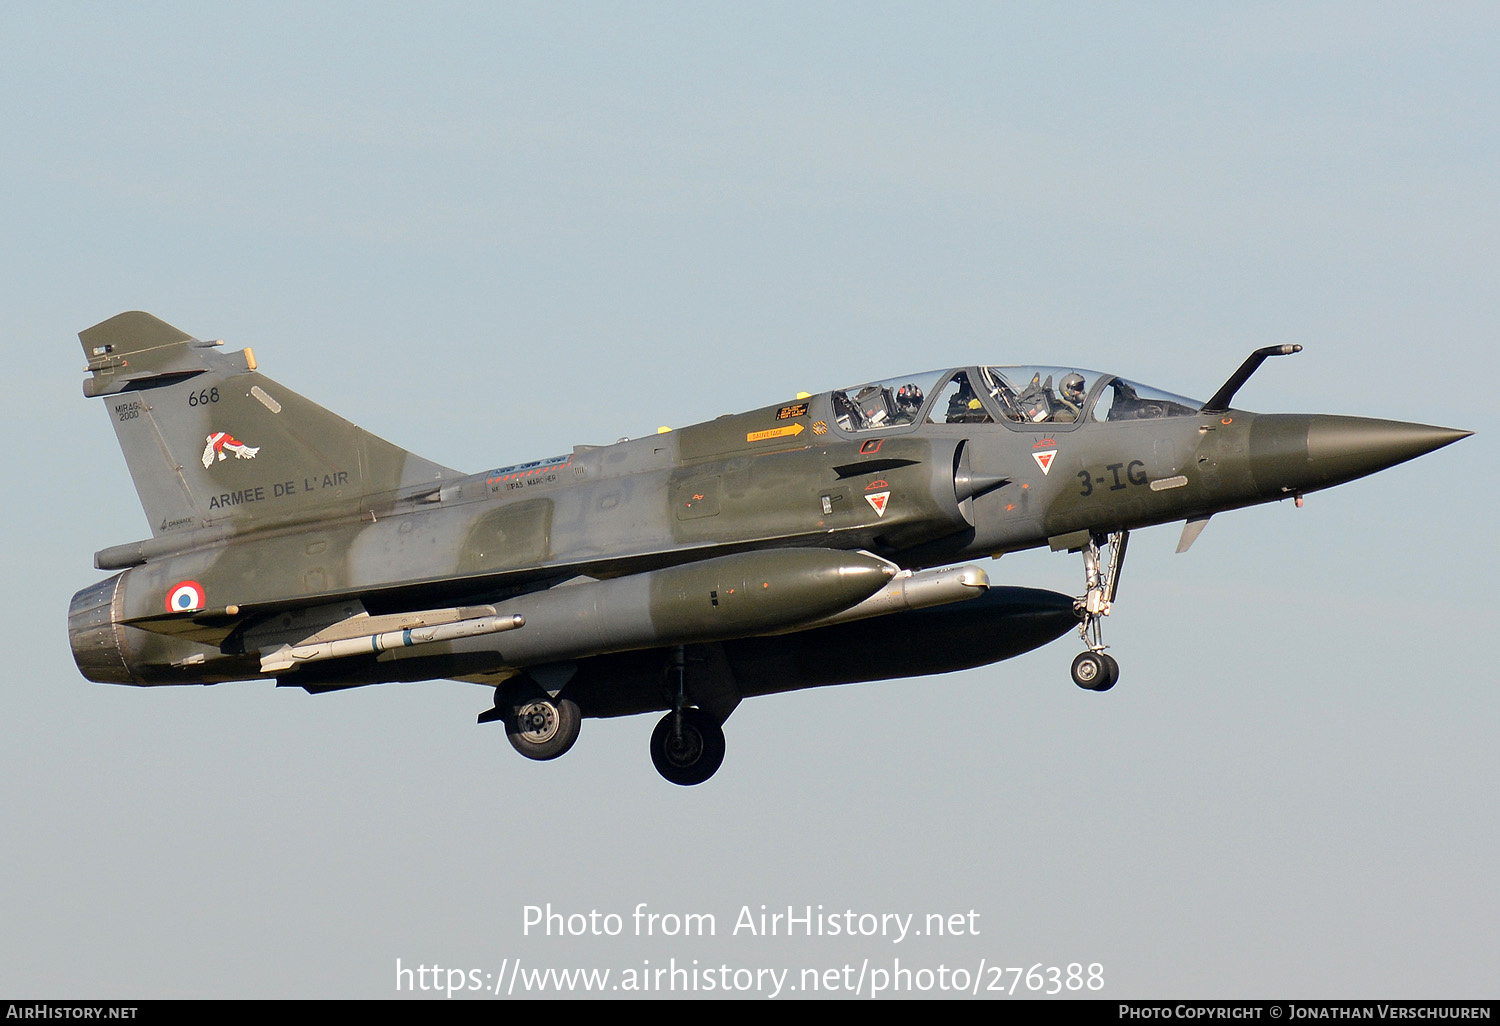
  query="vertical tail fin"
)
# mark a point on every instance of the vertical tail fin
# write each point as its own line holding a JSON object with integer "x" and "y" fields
{"x": 212, "y": 443}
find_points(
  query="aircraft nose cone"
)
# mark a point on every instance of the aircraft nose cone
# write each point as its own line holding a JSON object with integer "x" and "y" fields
{"x": 1350, "y": 447}
{"x": 1302, "y": 453}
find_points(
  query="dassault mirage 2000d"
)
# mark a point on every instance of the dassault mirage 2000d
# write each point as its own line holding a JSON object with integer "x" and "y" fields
{"x": 822, "y": 540}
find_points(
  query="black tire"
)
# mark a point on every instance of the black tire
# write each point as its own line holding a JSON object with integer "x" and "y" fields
{"x": 1111, "y": 677}
{"x": 1090, "y": 670}
{"x": 542, "y": 728}
{"x": 693, "y": 754}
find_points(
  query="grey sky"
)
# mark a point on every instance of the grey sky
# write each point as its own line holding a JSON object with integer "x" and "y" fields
{"x": 491, "y": 232}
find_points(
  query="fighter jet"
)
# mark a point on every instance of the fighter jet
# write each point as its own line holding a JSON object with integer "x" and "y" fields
{"x": 826, "y": 539}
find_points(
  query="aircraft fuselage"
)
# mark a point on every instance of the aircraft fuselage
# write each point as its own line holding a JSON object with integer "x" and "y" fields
{"x": 790, "y": 546}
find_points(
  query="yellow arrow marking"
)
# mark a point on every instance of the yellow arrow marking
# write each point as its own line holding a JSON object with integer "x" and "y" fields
{"x": 792, "y": 430}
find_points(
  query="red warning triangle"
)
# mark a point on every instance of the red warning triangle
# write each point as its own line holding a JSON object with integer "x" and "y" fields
{"x": 878, "y": 501}
{"x": 1044, "y": 460}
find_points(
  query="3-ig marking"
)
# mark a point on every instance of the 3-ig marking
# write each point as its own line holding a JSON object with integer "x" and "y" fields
{"x": 1135, "y": 474}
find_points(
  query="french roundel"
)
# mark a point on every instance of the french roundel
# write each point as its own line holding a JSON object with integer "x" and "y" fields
{"x": 187, "y": 597}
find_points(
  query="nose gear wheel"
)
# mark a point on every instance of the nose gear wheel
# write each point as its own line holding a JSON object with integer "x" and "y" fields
{"x": 1095, "y": 671}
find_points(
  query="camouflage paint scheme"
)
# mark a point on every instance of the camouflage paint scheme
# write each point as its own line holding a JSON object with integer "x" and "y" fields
{"x": 767, "y": 551}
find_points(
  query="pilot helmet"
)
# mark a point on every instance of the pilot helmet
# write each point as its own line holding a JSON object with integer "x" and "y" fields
{"x": 1072, "y": 386}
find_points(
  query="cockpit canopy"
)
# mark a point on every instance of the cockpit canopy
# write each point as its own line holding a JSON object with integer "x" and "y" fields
{"x": 1016, "y": 395}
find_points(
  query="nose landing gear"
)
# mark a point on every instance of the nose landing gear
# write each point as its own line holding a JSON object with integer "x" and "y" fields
{"x": 1095, "y": 670}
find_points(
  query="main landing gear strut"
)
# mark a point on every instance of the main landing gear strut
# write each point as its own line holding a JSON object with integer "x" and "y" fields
{"x": 687, "y": 746}
{"x": 1096, "y": 670}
